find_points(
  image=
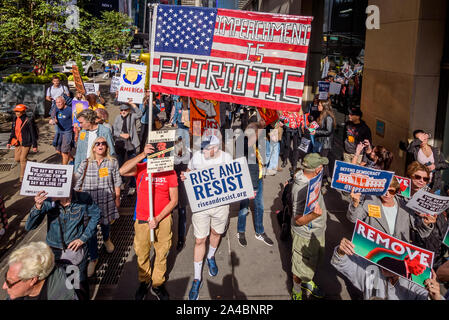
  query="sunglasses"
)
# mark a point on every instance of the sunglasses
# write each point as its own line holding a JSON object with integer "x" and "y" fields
{"x": 392, "y": 191}
{"x": 9, "y": 284}
{"x": 101, "y": 143}
{"x": 418, "y": 177}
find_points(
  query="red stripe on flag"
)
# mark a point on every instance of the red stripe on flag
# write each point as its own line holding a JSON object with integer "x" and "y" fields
{"x": 278, "y": 46}
{"x": 266, "y": 60}
{"x": 268, "y": 17}
{"x": 219, "y": 28}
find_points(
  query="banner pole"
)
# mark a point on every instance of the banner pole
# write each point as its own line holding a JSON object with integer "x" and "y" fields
{"x": 150, "y": 115}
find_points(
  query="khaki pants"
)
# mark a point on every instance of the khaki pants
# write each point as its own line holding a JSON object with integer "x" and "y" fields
{"x": 142, "y": 247}
{"x": 21, "y": 155}
{"x": 306, "y": 256}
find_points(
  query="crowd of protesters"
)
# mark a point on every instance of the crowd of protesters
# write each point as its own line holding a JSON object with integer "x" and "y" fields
{"x": 107, "y": 155}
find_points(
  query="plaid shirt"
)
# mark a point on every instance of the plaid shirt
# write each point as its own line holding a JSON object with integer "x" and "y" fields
{"x": 99, "y": 182}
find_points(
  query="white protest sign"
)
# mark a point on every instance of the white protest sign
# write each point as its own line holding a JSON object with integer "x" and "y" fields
{"x": 304, "y": 145}
{"x": 132, "y": 83}
{"x": 162, "y": 159}
{"x": 55, "y": 179}
{"x": 219, "y": 185}
{"x": 335, "y": 88}
{"x": 91, "y": 88}
{"x": 115, "y": 84}
{"x": 425, "y": 202}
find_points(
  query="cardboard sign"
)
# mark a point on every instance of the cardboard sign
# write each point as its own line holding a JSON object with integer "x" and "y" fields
{"x": 323, "y": 89}
{"x": 115, "y": 84}
{"x": 77, "y": 107}
{"x": 363, "y": 180}
{"x": 400, "y": 257}
{"x": 219, "y": 185}
{"x": 162, "y": 159}
{"x": 132, "y": 83}
{"x": 446, "y": 239}
{"x": 207, "y": 112}
{"x": 269, "y": 115}
{"x": 313, "y": 193}
{"x": 425, "y": 202}
{"x": 55, "y": 179}
{"x": 78, "y": 80}
{"x": 92, "y": 88}
{"x": 406, "y": 186}
{"x": 334, "y": 88}
{"x": 304, "y": 145}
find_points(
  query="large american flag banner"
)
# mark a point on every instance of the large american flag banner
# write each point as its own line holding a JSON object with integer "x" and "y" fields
{"x": 251, "y": 58}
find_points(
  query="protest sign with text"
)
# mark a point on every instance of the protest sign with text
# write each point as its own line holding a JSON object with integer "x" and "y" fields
{"x": 77, "y": 107}
{"x": 92, "y": 88}
{"x": 400, "y": 257}
{"x": 162, "y": 159}
{"x": 405, "y": 185}
{"x": 348, "y": 177}
{"x": 323, "y": 89}
{"x": 55, "y": 179}
{"x": 207, "y": 113}
{"x": 115, "y": 84}
{"x": 132, "y": 83}
{"x": 79, "y": 85}
{"x": 251, "y": 58}
{"x": 219, "y": 185}
{"x": 334, "y": 88}
{"x": 425, "y": 202}
{"x": 313, "y": 193}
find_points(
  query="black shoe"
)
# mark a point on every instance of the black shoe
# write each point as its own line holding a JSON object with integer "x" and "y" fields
{"x": 284, "y": 164}
{"x": 242, "y": 239}
{"x": 160, "y": 292}
{"x": 142, "y": 291}
{"x": 180, "y": 245}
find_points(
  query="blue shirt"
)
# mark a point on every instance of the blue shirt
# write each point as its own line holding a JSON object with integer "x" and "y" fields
{"x": 64, "y": 118}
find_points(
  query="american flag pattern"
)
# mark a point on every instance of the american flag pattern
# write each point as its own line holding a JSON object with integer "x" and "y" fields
{"x": 250, "y": 58}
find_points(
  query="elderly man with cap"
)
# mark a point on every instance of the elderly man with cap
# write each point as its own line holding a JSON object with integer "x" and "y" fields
{"x": 126, "y": 137}
{"x": 23, "y": 137}
{"x": 356, "y": 131}
{"x": 207, "y": 223}
{"x": 308, "y": 230}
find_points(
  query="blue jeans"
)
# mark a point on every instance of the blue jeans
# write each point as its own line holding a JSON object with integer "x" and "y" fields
{"x": 258, "y": 211}
{"x": 183, "y": 131}
{"x": 181, "y": 223}
{"x": 92, "y": 243}
{"x": 273, "y": 149}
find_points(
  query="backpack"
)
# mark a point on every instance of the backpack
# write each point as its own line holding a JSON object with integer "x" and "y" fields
{"x": 284, "y": 216}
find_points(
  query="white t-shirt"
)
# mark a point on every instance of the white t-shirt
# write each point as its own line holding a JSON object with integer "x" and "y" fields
{"x": 199, "y": 162}
{"x": 57, "y": 92}
{"x": 92, "y": 136}
{"x": 390, "y": 214}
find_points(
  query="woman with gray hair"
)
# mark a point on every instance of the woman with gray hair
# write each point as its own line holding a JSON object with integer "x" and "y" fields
{"x": 32, "y": 275}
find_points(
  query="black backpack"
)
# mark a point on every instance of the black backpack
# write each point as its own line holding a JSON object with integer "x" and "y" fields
{"x": 284, "y": 216}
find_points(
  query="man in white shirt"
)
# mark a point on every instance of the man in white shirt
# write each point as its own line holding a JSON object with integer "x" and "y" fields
{"x": 211, "y": 222}
{"x": 56, "y": 90}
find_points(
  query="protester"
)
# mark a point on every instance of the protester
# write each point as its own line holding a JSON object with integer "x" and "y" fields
{"x": 273, "y": 147}
{"x": 90, "y": 131}
{"x": 103, "y": 118}
{"x": 419, "y": 174}
{"x": 376, "y": 158}
{"x": 324, "y": 135}
{"x": 207, "y": 223}
{"x": 183, "y": 123}
{"x": 143, "y": 134}
{"x": 33, "y": 275}
{"x": 3, "y": 218}
{"x": 64, "y": 134}
{"x": 165, "y": 198}
{"x": 126, "y": 137}
{"x": 429, "y": 156}
{"x": 66, "y": 232}
{"x": 308, "y": 231}
{"x": 24, "y": 136}
{"x": 99, "y": 176}
{"x": 293, "y": 129}
{"x": 93, "y": 104}
{"x": 389, "y": 285}
{"x": 356, "y": 131}
{"x": 253, "y": 133}
{"x": 394, "y": 218}
{"x": 177, "y": 111}
{"x": 56, "y": 90}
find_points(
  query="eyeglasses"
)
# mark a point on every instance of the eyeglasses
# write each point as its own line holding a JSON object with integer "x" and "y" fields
{"x": 392, "y": 191}
{"x": 101, "y": 143}
{"x": 9, "y": 284}
{"x": 418, "y": 177}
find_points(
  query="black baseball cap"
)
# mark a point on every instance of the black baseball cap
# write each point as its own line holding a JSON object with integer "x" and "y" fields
{"x": 356, "y": 111}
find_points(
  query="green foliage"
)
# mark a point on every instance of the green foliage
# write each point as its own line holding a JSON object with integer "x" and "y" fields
{"x": 70, "y": 78}
{"x": 79, "y": 64}
{"x": 30, "y": 78}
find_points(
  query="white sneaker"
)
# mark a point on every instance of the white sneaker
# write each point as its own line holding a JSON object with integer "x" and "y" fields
{"x": 91, "y": 268}
{"x": 109, "y": 246}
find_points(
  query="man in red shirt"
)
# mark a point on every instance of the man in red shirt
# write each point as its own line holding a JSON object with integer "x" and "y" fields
{"x": 165, "y": 199}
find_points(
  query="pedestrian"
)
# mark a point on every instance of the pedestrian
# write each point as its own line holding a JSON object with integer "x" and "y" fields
{"x": 126, "y": 137}
{"x": 210, "y": 223}
{"x": 182, "y": 158}
{"x": 24, "y": 136}
{"x": 429, "y": 156}
{"x": 389, "y": 286}
{"x": 389, "y": 214}
{"x": 67, "y": 234}
{"x": 375, "y": 158}
{"x": 143, "y": 107}
{"x": 56, "y": 90}
{"x": 273, "y": 147}
{"x": 308, "y": 231}
{"x": 165, "y": 199}
{"x": 90, "y": 131}
{"x": 99, "y": 176}
{"x": 103, "y": 118}
{"x": 93, "y": 104}
{"x": 293, "y": 130}
{"x": 33, "y": 275}
{"x": 177, "y": 113}
{"x": 419, "y": 174}
{"x": 356, "y": 131}
{"x": 324, "y": 135}
{"x": 183, "y": 123}
{"x": 253, "y": 134}
{"x": 64, "y": 134}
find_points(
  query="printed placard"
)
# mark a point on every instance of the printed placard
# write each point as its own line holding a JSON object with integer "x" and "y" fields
{"x": 115, "y": 84}
{"x": 313, "y": 193}
{"x": 334, "y": 88}
{"x": 77, "y": 107}
{"x": 363, "y": 180}
{"x": 78, "y": 80}
{"x": 92, "y": 88}
{"x": 425, "y": 202}
{"x": 304, "y": 145}
{"x": 132, "y": 83}
{"x": 400, "y": 257}
{"x": 406, "y": 186}
{"x": 313, "y": 126}
{"x": 55, "y": 179}
{"x": 205, "y": 113}
{"x": 323, "y": 89}
{"x": 162, "y": 159}
{"x": 219, "y": 185}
